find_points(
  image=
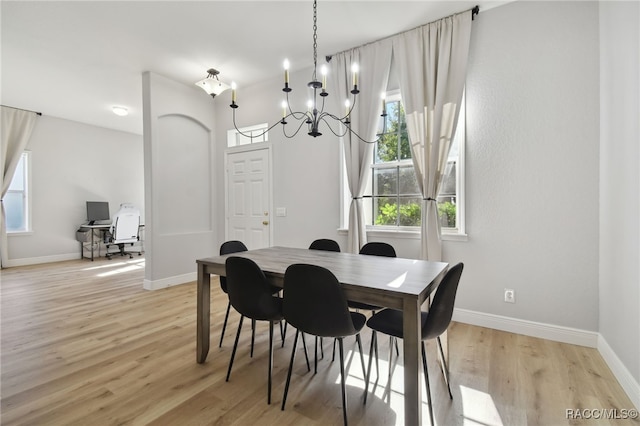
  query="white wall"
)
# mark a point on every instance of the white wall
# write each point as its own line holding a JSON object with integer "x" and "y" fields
{"x": 179, "y": 163}
{"x": 620, "y": 184}
{"x": 306, "y": 170}
{"x": 532, "y": 164}
{"x": 73, "y": 163}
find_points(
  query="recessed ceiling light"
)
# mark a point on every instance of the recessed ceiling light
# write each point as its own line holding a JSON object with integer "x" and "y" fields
{"x": 121, "y": 111}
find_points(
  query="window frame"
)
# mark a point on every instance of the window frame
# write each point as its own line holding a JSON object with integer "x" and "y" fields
{"x": 25, "y": 158}
{"x": 447, "y": 234}
{"x": 259, "y": 132}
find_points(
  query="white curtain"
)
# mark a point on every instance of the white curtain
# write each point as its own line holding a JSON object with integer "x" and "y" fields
{"x": 17, "y": 126}
{"x": 432, "y": 69}
{"x": 374, "y": 61}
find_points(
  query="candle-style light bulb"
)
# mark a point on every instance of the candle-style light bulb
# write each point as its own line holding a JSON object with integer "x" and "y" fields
{"x": 310, "y": 105}
{"x": 286, "y": 71}
{"x": 233, "y": 91}
{"x": 347, "y": 105}
{"x": 354, "y": 70}
{"x": 284, "y": 109}
{"x": 384, "y": 105}
{"x": 323, "y": 71}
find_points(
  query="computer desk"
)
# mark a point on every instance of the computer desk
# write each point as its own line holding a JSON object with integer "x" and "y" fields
{"x": 101, "y": 228}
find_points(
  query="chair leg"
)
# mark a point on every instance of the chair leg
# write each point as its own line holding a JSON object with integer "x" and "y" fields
{"x": 371, "y": 350}
{"x": 343, "y": 381}
{"x": 426, "y": 382}
{"x": 445, "y": 370}
{"x": 359, "y": 342}
{"x": 284, "y": 333}
{"x": 253, "y": 335}
{"x": 333, "y": 355}
{"x": 315, "y": 356}
{"x": 224, "y": 326}
{"x": 235, "y": 346}
{"x": 293, "y": 354}
{"x": 304, "y": 344}
{"x": 270, "y": 360}
{"x": 391, "y": 339}
{"x": 283, "y": 330}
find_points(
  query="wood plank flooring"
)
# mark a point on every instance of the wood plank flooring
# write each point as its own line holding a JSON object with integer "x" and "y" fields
{"x": 83, "y": 344}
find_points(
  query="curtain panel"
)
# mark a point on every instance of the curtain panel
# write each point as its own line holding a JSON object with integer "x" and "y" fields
{"x": 432, "y": 64}
{"x": 17, "y": 126}
{"x": 375, "y": 62}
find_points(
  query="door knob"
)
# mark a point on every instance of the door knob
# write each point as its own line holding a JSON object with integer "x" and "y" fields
{"x": 265, "y": 222}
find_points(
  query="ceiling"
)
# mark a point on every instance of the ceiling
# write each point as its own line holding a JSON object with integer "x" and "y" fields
{"x": 77, "y": 59}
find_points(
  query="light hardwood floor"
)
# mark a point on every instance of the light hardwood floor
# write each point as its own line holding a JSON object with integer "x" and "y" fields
{"x": 83, "y": 344}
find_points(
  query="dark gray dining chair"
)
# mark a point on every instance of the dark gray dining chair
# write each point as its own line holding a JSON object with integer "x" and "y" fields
{"x": 434, "y": 323}
{"x": 228, "y": 247}
{"x": 325, "y": 244}
{"x": 314, "y": 303}
{"x": 252, "y": 296}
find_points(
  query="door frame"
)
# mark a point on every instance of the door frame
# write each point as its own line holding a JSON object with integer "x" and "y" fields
{"x": 242, "y": 149}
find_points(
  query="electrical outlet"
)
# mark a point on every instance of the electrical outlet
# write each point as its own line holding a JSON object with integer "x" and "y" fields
{"x": 509, "y": 295}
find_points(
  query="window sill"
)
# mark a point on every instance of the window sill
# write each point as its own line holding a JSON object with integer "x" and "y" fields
{"x": 19, "y": 233}
{"x": 407, "y": 233}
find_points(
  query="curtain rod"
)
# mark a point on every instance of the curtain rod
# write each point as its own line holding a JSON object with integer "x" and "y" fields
{"x": 474, "y": 12}
{"x": 22, "y": 109}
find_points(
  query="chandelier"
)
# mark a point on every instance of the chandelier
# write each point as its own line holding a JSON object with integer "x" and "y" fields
{"x": 315, "y": 113}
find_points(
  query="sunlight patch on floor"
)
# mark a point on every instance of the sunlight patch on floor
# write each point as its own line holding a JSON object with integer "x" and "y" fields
{"x": 127, "y": 266}
{"x": 478, "y": 408}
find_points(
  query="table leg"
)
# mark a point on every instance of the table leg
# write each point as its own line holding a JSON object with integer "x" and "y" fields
{"x": 203, "y": 310}
{"x": 412, "y": 330}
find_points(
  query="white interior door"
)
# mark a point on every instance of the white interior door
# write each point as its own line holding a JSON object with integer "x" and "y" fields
{"x": 248, "y": 206}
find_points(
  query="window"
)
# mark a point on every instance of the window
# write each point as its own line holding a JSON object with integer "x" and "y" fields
{"x": 393, "y": 191}
{"x": 16, "y": 201}
{"x": 252, "y": 134}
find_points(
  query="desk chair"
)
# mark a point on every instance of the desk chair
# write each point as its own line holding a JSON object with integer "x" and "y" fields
{"x": 124, "y": 231}
{"x": 434, "y": 323}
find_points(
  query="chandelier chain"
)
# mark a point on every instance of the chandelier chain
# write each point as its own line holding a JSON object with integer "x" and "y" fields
{"x": 315, "y": 38}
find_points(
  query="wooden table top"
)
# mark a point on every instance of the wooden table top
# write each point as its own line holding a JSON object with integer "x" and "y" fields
{"x": 368, "y": 276}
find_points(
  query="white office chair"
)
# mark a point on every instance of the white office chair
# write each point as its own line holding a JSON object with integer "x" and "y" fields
{"x": 124, "y": 231}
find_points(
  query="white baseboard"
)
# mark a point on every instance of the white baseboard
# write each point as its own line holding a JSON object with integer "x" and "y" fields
{"x": 170, "y": 281}
{"x": 43, "y": 259}
{"x": 556, "y": 333}
{"x": 624, "y": 377}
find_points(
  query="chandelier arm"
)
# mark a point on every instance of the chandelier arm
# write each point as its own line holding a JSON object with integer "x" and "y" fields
{"x": 323, "y": 118}
{"x": 295, "y": 114}
{"x": 302, "y": 123}
{"x": 379, "y": 135}
{"x": 264, "y": 132}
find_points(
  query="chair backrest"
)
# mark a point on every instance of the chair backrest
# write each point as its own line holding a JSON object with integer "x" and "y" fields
{"x": 441, "y": 309}
{"x": 324, "y": 244}
{"x": 228, "y": 247}
{"x": 314, "y": 303}
{"x": 233, "y": 246}
{"x": 249, "y": 291}
{"x": 125, "y": 224}
{"x": 378, "y": 249}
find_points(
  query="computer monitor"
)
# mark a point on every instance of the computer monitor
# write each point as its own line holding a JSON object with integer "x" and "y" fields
{"x": 97, "y": 210}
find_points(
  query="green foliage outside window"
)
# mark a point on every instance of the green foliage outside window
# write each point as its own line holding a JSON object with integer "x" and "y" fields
{"x": 395, "y": 191}
{"x": 447, "y": 214}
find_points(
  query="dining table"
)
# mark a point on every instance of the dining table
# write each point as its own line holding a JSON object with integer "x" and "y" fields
{"x": 397, "y": 283}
